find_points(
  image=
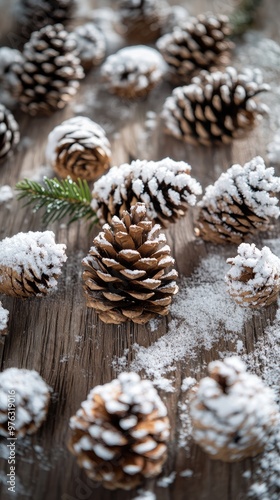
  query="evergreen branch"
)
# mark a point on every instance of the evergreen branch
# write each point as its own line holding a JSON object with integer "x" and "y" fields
{"x": 244, "y": 15}
{"x": 59, "y": 198}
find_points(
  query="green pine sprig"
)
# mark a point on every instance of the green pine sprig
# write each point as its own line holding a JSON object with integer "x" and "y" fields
{"x": 244, "y": 15}
{"x": 59, "y": 199}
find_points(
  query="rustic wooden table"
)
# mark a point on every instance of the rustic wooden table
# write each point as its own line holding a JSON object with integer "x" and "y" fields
{"x": 62, "y": 339}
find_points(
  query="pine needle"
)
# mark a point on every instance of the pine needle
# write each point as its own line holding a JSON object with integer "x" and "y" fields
{"x": 244, "y": 15}
{"x": 59, "y": 199}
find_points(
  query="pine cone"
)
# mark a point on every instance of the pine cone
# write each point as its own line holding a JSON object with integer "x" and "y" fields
{"x": 36, "y": 14}
{"x": 198, "y": 43}
{"x": 215, "y": 108}
{"x": 4, "y": 316}
{"x": 239, "y": 204}
{"x": 30, "y": 264}
{"x": 176, "y": 16}
{"x": 9, "y": 132}
{"x": 91, "y": 45}
{"x": 120, "y": 431}
{"x": 127, "y": 275}
{"x": 232, "y": 412}
{"x": 166, "y": 188}
{"x": 254, "y": 278}
{"x": 8, "y": 79}
{"x": 25, "y": 395}
{"x": 78, "y": 148}
{"x": 143, "y": 19}
{"x": 50, "y": 72}
{"x": 133, "y": 71}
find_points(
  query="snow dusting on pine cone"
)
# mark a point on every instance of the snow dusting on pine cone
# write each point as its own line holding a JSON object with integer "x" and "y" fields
{"x": 25, "y": 393}
{"x": 4, "y": 316}
{"x": 232, "y": 412}
{"x": 30, "y": 264}
{"x": 78, "y": 148}
{"x": 240, "y": 203}
{"x": 133, "y": 72}
{"x": 91, "y": 45}
{"x": 165, "y": 186}
{"x": 254, "y": 277}
{"x": 120, "y": 432}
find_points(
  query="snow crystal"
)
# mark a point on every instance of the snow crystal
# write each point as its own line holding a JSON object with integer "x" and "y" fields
{"x": 6, "y": 194}
{"x": 164, "y": 482}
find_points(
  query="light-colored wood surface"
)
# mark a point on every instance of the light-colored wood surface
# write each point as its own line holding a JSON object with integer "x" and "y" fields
{"x": 65, "y": 341}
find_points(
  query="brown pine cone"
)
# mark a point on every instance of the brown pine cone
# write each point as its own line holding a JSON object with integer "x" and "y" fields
{"x": 91, "y": 45}
{"x": 215, "y": 108}
{"x": 198, "y": 43}
{"x": 9, "y": 132}
{"x": 239, "y": 204}
{"x": 254, "y": 277}
{"x": 8, "y": 79}
{"x": 50, "y": 72}
{"x": 165, "y": 186}
{"x": 232, "y": 412}
{"x": 30, "y": 264}
{"x": 120, "y": 432}
{"x": 143, "y": 20}
{"x": 4, "y": 316}
{"x": 127, "y": 272}
{"x": 25, "y": 395}
{"x": 78, "y": 148}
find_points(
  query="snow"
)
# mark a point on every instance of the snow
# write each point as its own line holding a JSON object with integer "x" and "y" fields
{"x": 4, "y": 316}
{"x": 6, "y": 194}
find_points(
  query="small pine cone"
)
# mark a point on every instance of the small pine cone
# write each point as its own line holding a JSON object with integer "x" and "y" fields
{"x": 133, "y": 71}
{"x": 143, "y": 19}
{"x": 4, "y": 316}
{"x": 165, "y": 186}
{"x": 35, "y": 14}
{"x": 127, "y": 272}
{"x": 239, "y": 204}
{"x": 78, "y": 148}
{"x": 91, "y": 45}
{"x": 254, "y": 278}
{"x": 30, "y": 264}
{"x": 8, "y": 78}
{"x": 9, "y": 132}
{"x": 215, "y": 108}
{"x": 50, "y": 72}
{"x": 199, "y": 43}
{"x": 232, "y": 412}
{"x": 25, "y": 395}
{"x": 119, "y": 434}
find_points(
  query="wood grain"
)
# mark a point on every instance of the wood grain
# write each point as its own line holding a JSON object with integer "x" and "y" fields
{"x": 68, "y": 345}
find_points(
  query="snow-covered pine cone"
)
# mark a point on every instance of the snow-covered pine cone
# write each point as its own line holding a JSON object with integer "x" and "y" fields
{"x": 50, "y": 72}
{"x": 9, "y": 131}
{"x": 119, "y": 434}
{"x": 198, "y": 43}
{"x": 8, "y": 79}
{"x": 129, "y": 271}
{"x": 25, "y": 395}
{"x": 78, "y": 148}
{"x": 239, "y": 204}
{"x": 232, "y": 412}
{"x": 4, "y": 316}
{"x": 254, "y": 277}
{"x": 143, "y": 20}
{"x": 30, "y": 264}
{"x": 91, "y": 45}
{"x": 165, "y": 186}
{"x": 215, "y": 108}
{"x": 133, "y": 72}
{"x": 35, "y": 14}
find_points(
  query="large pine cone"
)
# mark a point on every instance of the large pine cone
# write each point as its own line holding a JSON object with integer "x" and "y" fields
{"x": 78, "y": 148}
{"x": 9, "y": 131}
{"x": 133, "y": 71}
{"x": 143, "y": 19}
{"x": 91, "y": 45}
{"x": 166, "y": 188}
{"x": 119, "y": 433}
{"x": 4, "y": 316}
{"x": 30, "y": 264}
{"x": 127, "y": 272}
{"x": 199, "y": 43}
{"x": 232, "y": 412}
{"x": 25, "y": 395}
{"x": 254, "y": 277}
{"x": 50, "y": 72}
{"x": 215, "y": 108}
{"x": 36, "y": 14}
{"x": 239, "y": 204}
